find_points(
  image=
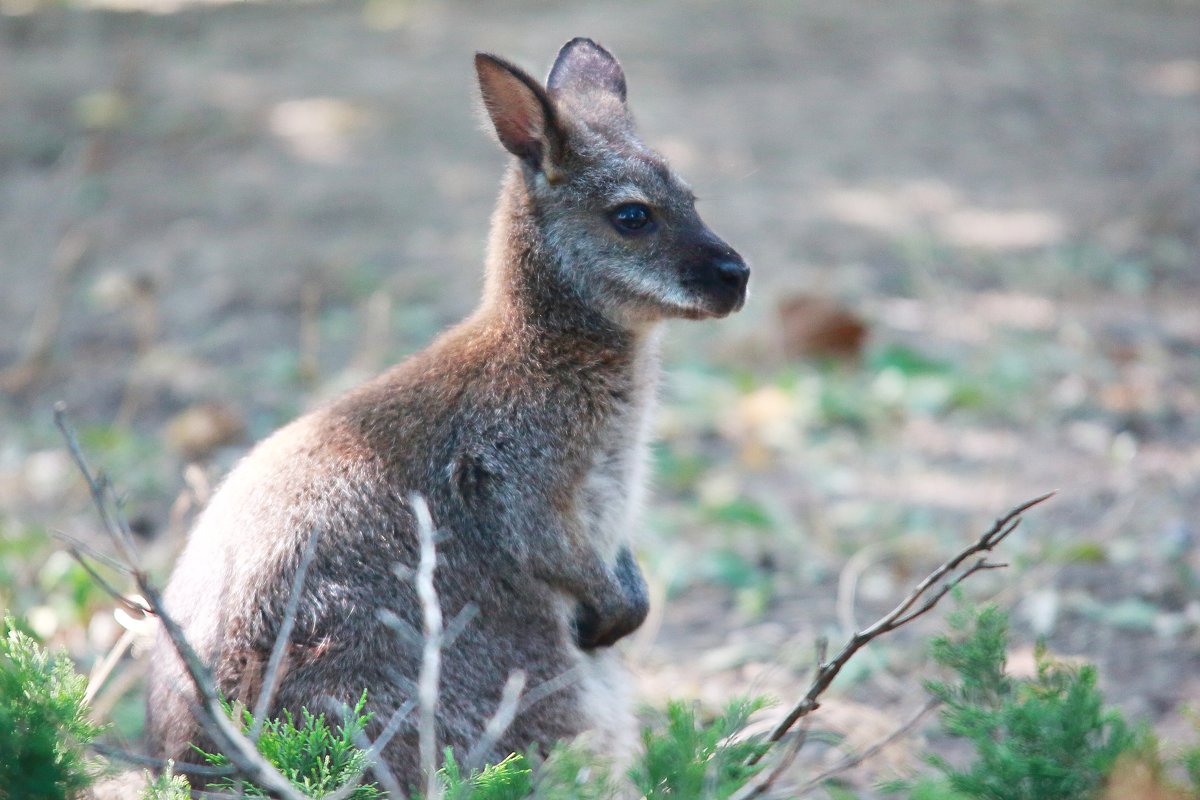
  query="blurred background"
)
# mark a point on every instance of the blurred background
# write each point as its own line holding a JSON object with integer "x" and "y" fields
{"x": 975, "y": 233}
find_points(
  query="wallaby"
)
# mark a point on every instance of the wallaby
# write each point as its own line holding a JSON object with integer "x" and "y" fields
{"x": 523, "y": 427}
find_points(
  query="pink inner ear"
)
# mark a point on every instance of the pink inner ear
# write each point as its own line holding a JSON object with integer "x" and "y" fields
{"x": 516, "y": 112}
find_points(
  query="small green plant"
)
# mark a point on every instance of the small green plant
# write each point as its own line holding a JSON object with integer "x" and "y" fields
{"x": 688, "y": 759}
{"x": 510, "y": 779}
{"x": 572, "y": 773}
{"x": 44, "y": 726}
{"x": 1045, "y": 737}
{"x": 683, "y": 757}
{"x": 316, "y": 758}
{"x": 167, "y": 786}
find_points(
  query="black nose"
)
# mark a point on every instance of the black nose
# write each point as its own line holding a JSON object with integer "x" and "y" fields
{"x": 732, "y": 272}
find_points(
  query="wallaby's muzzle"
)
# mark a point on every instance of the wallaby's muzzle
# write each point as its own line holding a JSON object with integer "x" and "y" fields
{"x": 719, "y": 275}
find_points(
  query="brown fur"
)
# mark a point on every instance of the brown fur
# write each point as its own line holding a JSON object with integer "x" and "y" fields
{"x": 523, "y": 427}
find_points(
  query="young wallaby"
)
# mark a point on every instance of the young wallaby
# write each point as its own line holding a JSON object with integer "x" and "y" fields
{"x": 523, "y": 428}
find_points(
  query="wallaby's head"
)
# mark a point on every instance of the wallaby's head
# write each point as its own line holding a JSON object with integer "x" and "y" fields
{"x": 617, "y": 227}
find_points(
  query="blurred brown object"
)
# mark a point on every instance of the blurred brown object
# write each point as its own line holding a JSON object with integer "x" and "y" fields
{"x": 1141, "y": 777}
{"x": 198, "y": 430}
{"x": 815, "y": 326}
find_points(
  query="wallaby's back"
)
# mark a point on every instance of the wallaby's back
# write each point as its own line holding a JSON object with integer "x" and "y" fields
{"x": 524, "y": 430}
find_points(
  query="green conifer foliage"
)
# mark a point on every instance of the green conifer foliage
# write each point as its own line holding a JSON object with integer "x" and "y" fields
{"x": 44, "y": 725}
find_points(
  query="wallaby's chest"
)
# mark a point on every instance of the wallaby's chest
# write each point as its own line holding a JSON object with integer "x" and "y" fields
{"x": 611, "y": 494}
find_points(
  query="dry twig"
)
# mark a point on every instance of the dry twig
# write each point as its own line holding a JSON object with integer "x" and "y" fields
{"x": 759, "y": 787}
{"x": 199, "y": 770}
{"x": 210, "y": 714}
{"x": 927, "y": 594}
{"x": 271, "y": 676}
{"x": 506, "y": 712}
{"x": 431, "y": 658}
{"x": 854, "y": 759}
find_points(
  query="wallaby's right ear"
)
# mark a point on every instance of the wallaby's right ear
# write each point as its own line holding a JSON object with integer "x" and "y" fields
{"x": 521, "y": 112}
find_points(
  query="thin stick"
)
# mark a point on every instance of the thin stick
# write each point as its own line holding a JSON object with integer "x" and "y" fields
{"x": 853, "y": 760}
{"x": 270, "y": 683}
{"x": 106, "y": 665}
{"x": 904, "y": 613}
{"x": 102, "y": 498}
{"x": 202, "y": 770}
{"x": 373, "y": 750}
{"x": 230, "y": 740}
{"x": 85, "y": 549}
{"x": 75, "y": 551}
{"x": 760, "y": 786}
{"x": 551, "y": 686}
{"x": 431, "y": 659}
{"x": 378, "y": 767}
{"x": 506, "y": 712}
{"x": 117, "y": 687}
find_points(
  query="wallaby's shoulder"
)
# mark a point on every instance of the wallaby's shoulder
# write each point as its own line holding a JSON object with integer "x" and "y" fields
{"x": 487, "y": 371}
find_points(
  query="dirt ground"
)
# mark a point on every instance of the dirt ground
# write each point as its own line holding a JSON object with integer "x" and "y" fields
{"x": 214, "y": 216}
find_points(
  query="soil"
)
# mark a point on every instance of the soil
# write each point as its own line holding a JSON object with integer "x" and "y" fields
{"x": 234, "y": 211}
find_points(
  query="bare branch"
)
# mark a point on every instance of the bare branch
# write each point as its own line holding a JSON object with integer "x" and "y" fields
{"x": 75, "y": 551}
{"x": 551, "y": 686}
{"x": 853, "y": 760}
{"x": 228, "y": 737}
{"x": 378, "y": 767}
{"x": 106, "y": 665}
{"x": 201, "y": 770}
{"x": 431, "y": 659}
{"x": 210, "y": 714}
{"x": 928, "y": 593}
{"x": 506, "y": 712}
{"x": 764, "y": 782}
{"x": 458, "y": 623}
{"x": 373, "y": 750}
{"x": 271, "y": 676}
{"x": 103, "y": 499}
{"x": 82, "y": 548}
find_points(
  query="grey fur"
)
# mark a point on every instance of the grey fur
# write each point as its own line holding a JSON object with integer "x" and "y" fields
{"x": 524, "y": 427}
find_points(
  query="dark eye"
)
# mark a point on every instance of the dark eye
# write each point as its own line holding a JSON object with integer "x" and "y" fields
{"x": 630, "y": 217}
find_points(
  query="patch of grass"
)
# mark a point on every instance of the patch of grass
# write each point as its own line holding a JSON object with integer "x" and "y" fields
{"x": 741, "y": 512}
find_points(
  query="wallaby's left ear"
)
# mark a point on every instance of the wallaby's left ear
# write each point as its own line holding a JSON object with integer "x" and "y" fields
{"x": 521, "y": 112}
{"x": 583, "y": 66}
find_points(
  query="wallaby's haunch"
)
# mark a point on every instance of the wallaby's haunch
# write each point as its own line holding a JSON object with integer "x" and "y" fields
{"x": 524, "y": 427}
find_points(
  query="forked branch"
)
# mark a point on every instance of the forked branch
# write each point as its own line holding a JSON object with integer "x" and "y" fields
{"x": 210, "y": 714}
{"x": 920, "y": 600}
